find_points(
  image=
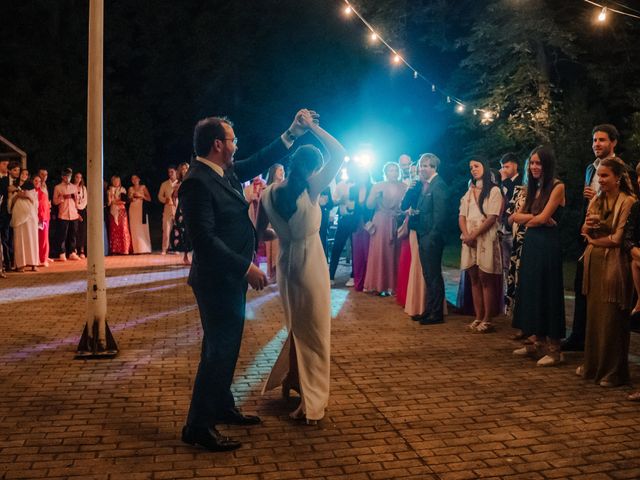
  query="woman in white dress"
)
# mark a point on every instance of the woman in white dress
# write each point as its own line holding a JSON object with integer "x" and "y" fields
{"x": 480, "y": 209}
{"x": 23, "y": 205}
{"x": 303, "y": 277}
{"x": 138, "y": 217}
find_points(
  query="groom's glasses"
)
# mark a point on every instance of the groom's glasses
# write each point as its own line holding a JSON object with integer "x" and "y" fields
{"x": 234, "y": 140}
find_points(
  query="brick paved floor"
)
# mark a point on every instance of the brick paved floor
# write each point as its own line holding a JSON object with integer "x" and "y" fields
{"x": 407, "y": 401}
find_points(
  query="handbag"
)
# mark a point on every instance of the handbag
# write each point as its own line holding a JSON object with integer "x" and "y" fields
{"x": 369, "y": 227}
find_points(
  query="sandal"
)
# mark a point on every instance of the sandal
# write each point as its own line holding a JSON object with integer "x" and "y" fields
{"x": 485, "y": 327}
{"x": 634, "y": 397}
{"x": 474, "y": 325}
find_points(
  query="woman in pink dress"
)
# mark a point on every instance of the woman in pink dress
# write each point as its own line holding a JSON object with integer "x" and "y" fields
{"x": 252, "y": 193}
{"x": 275, "y": 175}
{"x": 119, "y": 235}
{"x": 44, "y": 216}
{"x": 404, "y": 262}
{"x": 385, "y": 197}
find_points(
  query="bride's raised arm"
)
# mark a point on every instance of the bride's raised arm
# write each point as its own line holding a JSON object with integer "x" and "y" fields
{"x": 336, "y": 154}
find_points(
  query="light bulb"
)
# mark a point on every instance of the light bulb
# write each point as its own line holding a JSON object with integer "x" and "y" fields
{"x": 415, "y": 74}
{"x": 396, "y": 58}
{"x": 374, "y": 37}
{"x": 603, "y": 14}
{"x": 347, "y": 10}
{"x": 460, "y": 108}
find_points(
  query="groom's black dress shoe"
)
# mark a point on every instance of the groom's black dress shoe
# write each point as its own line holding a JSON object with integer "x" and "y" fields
{"x": 422, "y": 316}
{"x": 234, "y": 417}
{"x": 209, "y": 438}
{"x": 431, "y": 320}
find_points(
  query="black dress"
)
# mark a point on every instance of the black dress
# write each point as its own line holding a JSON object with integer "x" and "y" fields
{"x": 179, "y": 239}
{"x": 539, "y": 299}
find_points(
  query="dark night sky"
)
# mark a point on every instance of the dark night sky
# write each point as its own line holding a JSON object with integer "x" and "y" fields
{"x": 169, "y": 63}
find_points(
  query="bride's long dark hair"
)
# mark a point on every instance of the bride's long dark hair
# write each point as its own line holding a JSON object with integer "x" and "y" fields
{"x": 304, "y": 162}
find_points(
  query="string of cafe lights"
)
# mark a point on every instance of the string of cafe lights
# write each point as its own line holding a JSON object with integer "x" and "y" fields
{"x": 486, "y": 115}
{"x": 602, "y": 16}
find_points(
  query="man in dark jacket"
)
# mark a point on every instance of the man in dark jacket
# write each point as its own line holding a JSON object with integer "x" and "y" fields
{"x": 605, "y": 138}
{"x": 223, "y": 237}
{"x": 428, "y": 202}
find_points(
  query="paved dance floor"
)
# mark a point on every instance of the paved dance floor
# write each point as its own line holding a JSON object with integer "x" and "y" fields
{"x": 407, "y": 401}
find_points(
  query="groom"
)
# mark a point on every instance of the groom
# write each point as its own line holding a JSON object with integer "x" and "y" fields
{"x": 223, "y": 237}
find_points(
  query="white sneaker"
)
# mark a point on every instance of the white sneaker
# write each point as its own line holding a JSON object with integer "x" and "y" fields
{"x": 550, "y": 360}
{"x": 525, "y": 350}
{"x": 62, "y": 257}
{"x": 73, "y": 256}
{"x": 350, "y": 283}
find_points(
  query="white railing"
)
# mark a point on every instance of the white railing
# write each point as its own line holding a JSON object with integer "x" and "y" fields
{"x": 22, "y": 153}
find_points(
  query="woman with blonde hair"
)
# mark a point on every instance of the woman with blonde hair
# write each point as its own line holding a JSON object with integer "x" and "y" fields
{"x": 385, "y": 197}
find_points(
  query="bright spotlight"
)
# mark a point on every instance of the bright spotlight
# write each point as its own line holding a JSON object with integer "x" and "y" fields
{"x": 396, "y": 58}
{"x": 344, "y": 175}
{"x": 347, "y": 158}
{"x": 347, "y": 10}
{"x": 374, "y": 37}
{"x": 460, "y": 108}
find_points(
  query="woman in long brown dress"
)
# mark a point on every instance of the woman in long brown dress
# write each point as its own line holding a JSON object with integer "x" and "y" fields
{"x": 607, "y": 278}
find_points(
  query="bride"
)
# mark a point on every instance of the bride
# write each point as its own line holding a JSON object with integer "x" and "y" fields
{"x": 303, "y": 278}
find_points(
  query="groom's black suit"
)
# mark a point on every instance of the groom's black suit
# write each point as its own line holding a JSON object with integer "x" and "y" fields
{"x": 223, "y": 238}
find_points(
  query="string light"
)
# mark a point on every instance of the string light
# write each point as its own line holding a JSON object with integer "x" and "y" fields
{"x": 397, "y": 59}
{"x": 603, "y": 14}
{"x": 605, "y": 10}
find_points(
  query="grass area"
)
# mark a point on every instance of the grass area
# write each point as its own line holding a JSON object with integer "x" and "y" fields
{"x": 451, "y": 259}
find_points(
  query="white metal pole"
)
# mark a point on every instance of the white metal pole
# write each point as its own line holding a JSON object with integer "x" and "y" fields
{"x": 96, "y": 284}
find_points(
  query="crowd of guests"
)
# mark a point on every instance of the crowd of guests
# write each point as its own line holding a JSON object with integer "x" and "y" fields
{"x": 40, "y": 224}
{"x": 511, "y": 256}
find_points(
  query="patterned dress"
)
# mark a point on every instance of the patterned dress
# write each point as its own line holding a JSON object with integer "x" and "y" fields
{"x": 516, "y": 202}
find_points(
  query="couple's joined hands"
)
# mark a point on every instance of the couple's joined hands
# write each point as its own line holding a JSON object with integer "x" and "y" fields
{"x": 303, "y": 121}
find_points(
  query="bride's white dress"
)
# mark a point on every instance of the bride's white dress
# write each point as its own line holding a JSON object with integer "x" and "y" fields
{"x": 303, "y": 280}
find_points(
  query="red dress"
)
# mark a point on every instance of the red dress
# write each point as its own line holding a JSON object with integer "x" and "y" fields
{"x": 119, "y": 235}
{"x": 404, "y": 266}
{"x": 44, "y": 215}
